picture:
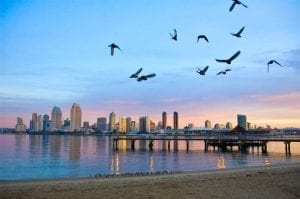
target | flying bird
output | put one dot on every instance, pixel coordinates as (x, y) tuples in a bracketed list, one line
[(112, 48), (223, 72), (238, 34), (202, 37), (228, 61), (174, 36), (273, 62), (236, 2), (136, 74), (203, 71), (145, 77)]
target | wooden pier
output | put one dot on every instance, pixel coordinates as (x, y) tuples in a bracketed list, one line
[(221, 142)]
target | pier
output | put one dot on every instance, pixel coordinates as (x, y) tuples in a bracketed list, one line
[(220, 142)]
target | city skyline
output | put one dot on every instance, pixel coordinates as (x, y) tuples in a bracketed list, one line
[(51, 57)]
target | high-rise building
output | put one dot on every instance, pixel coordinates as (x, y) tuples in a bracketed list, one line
[(133, 126), (207, 124), (128, 124), (242, 121), (101, 123), (67, 123), (164, 120), (86, 125), (217, 126), (34, 122), (175, 120), (228, 125), (20, 127), (144, 124), (159, 125), (46, 123), (40, 123), (56, 118), (112, 122), (75, 117), (152, 125), (122, 125)]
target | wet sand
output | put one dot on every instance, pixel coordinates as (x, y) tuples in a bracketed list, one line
[(280, 181)]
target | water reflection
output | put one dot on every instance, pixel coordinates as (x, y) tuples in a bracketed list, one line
[(151, 163), (74, 147), (114, 166), (55, 146), (221, 162)]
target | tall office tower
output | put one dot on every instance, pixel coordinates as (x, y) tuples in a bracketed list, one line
[(133, 126), (152, 125), (20, 127), (144, 124), (46, 123), (242, 121), (122, 125), (101, 123), (228, 125), (112, 121), (159, 125), (86, 125), (164, 120), (75, 122), (128, 124), (175, 120), (40, 122), (34, 122), (207, 124), (56, 118), (67, 123)]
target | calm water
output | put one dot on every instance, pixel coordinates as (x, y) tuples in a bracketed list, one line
[(51, 156)]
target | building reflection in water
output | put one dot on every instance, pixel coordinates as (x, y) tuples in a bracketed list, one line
[(74, 147), (35, 145), (221, 162), (55, 146), (114, 166), (151, 163), (267, 162)]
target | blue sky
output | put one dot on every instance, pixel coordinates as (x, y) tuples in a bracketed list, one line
[(54, 53)]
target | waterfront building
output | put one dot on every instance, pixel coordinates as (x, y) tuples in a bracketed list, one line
[(46, 123), (242, 121), (128, 124), (217, 126), (159, 125), (76, 114), (20, 127), (112, 122), (34, 122), (152, 125), (122, 124), (101, 123), (144, 124), (207, 124), (56, 118), (190, 125), (164, 120), (133, 126), (229, 125), (86, 125), (67, 123), (40, 122), (175, 120)]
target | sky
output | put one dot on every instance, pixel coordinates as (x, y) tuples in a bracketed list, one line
[(55, 53)]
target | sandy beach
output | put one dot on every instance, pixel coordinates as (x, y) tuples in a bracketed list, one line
[(280, 181)]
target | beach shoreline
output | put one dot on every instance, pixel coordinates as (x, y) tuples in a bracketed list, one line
[(273, 181)]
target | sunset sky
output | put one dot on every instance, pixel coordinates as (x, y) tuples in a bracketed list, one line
[(55, 53)]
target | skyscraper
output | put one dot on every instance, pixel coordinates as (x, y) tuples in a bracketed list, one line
[(56, 118), (122, 125), (207, 124), (101, 123), (128, 124), (144, 124), (175, 120), (242, 121), (34, 122), (164, 120), (75, 117), (112, 121), (46, 123), (86, 124), (20, 127), (40, 123)]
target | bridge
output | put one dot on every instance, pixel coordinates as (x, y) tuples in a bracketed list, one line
[(221, 141)]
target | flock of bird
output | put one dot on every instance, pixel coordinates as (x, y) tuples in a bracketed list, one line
[(203, 71)]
